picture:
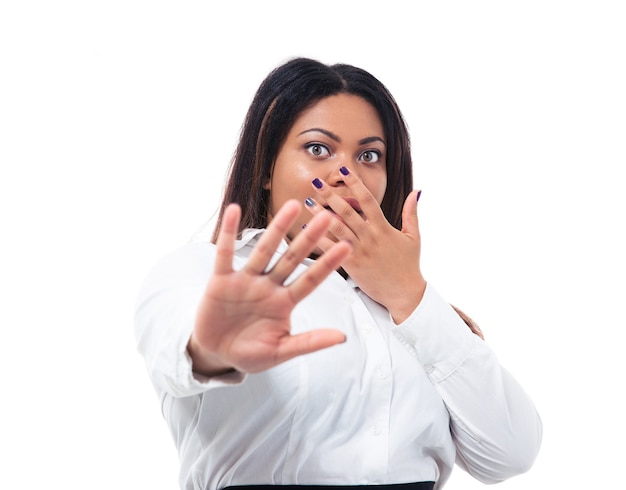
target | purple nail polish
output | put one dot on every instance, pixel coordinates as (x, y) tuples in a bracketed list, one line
[(419, 194), (304, 226), (344, 171), (317, 183), (309, 202)]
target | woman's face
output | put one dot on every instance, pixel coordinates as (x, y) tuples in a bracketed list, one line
[(338, 131)]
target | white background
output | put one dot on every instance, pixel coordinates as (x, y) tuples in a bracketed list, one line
[(118, 120)]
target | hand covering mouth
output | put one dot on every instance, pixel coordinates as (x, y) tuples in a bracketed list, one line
[(352, 202)]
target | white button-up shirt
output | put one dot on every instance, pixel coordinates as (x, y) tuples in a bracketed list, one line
[(393, 404)]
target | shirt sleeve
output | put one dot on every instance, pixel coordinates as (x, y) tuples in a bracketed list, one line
[(164, 318), (494, 423)]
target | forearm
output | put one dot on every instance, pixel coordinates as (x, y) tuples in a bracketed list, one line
[(495, 425), (165, 315)]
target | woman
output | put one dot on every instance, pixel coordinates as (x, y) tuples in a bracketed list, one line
[(304, 346)]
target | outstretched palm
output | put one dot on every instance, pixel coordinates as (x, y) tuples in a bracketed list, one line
[(243, 321)]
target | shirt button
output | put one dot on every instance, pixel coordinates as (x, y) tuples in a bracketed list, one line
[(375, 430), (366, 329), (411, 341), (381, 373), (429, 368)]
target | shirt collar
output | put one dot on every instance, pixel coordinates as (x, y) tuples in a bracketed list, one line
[(248, 235)]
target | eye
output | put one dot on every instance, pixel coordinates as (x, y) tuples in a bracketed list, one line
[(317, 150), (370, 156)]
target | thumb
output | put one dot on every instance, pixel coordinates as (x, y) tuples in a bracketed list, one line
[(307, 342), (410, 222)]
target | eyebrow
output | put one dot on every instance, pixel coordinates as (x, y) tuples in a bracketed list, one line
[(371, 139), (333, 136)]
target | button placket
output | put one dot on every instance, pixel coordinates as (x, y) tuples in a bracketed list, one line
[(376, 374)]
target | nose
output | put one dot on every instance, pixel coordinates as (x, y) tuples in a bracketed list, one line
[(336, 177)]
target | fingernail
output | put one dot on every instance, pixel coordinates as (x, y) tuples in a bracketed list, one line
[(419, 194), (304, 226), (344, 171), (309, 202), (317, 183)]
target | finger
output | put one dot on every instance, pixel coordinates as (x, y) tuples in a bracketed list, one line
[(225, 244), (346, 220), (368, 207), (410, 222), (328, 262), (348, 209), (301, 247), (278, 228), (324, 243), (307, 342)]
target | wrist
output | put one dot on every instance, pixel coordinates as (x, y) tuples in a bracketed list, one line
[(404, 304), (204, 362)]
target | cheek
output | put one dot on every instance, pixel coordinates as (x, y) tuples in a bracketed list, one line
[(301, 175), (291, 182), (377, 185)]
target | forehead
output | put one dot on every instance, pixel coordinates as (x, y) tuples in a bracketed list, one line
[(343, 113)]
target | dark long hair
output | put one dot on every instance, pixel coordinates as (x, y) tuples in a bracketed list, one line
[(281, 97)]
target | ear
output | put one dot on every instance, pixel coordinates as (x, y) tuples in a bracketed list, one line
[(267, 184)]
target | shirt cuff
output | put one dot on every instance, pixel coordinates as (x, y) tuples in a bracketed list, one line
[(436, 335)]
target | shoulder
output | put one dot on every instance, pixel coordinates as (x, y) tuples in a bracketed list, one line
[(195, 260), (187, 265), (190, 256)]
